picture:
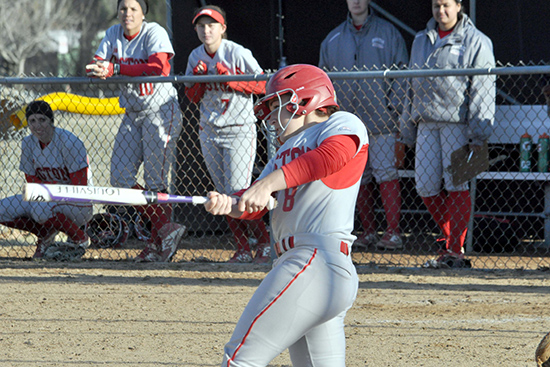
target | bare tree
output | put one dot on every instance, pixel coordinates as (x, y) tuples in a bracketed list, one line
[(25, 25)]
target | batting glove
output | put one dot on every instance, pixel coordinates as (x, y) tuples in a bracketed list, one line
[(200, 69)]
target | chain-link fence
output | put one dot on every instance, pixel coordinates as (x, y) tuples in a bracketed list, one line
[(510, 199)]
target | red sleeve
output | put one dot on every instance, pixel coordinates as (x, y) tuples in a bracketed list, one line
[(157, 64), (196, 92), (32, 179), (79, 177), (251, 87), (329, 157)]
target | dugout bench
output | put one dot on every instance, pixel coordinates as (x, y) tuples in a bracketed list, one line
[(511, 122)]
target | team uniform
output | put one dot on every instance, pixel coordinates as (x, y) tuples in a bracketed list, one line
[(150, 126), (227, 129), (227, 124), (448, 113), (152, 121), (313, 282), (53, 164), (375, 45)]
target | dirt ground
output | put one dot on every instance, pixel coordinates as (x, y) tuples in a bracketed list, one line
[(125, 314)]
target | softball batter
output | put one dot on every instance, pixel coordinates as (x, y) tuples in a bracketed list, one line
[(54, 156), (315, 175), (152, 121), (227, 123)]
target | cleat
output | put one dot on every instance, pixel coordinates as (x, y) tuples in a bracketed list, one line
[(43, 243), (390, 242), (148, 254), (366, 240), (263, 254), (171, 241), (241, 256), (449, 260)]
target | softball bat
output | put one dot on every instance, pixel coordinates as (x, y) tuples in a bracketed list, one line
[(108, 195)]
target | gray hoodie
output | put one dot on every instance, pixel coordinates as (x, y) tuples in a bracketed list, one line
[(453, 99), (377, 45)]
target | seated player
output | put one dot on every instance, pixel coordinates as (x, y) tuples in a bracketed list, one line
[(54, 156)]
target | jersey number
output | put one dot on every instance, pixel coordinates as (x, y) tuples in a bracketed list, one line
[(288, 202), (225, 102)]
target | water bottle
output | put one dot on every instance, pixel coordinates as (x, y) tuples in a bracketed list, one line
[(542, 148), (525, 146)]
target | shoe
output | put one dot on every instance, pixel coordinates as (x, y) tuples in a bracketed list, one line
[(449, 260), (390, 242), (148, 254), (85, 243), (263, 254), (66, 251), (43, 243), (171, 234), (241, 256), (366, 240)]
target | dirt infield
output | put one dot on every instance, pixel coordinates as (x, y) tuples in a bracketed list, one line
[(124, 314)]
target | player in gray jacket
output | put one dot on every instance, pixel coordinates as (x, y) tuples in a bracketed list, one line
[(446, 113), (367, 42)]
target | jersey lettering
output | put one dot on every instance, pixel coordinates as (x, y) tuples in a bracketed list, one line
[(53, 174)]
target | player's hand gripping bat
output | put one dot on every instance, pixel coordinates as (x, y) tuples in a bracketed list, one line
[(108, 195)]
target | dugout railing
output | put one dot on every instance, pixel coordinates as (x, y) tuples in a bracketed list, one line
[(509, 228)]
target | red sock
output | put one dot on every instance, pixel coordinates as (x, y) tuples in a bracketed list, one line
[(240, 232), (28, 225), (365, 205), (459, 205), (436, 207), (391, 198), (60, 222), (259, 230), (159, 215)]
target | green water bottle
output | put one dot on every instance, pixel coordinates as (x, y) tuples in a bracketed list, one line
[(525, 146), (542, 148)]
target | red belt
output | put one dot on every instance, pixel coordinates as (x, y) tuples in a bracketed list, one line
[(288, 243)]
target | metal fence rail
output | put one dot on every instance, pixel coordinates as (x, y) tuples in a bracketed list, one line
[(510, 228)]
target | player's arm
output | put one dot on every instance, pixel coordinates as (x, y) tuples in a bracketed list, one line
[(32, 178), (329, 157), (79, 177), (196, 92), (157, 64), (249, 87)]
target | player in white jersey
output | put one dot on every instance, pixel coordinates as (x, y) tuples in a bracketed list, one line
[(152, 122), (315, 175), (54, 156), (227, 123)]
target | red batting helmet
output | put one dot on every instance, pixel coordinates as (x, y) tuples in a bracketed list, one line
[(311, 88), (107, 230)]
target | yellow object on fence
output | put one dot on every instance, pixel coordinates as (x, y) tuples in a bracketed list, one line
[(72, 103)]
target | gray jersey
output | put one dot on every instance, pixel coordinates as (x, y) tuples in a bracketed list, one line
[(221, 107), (151, 39), (454, 99), (63, 155), (324, 207), (378, 44)]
